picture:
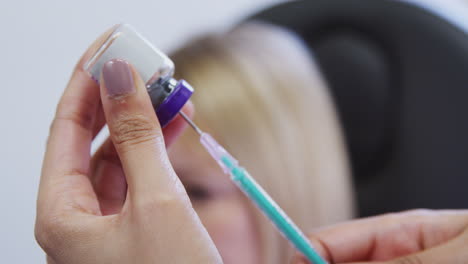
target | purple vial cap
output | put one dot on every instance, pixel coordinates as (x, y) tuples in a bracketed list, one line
[(171, 106)]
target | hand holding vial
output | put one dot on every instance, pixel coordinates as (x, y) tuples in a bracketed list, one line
[(85, 211)]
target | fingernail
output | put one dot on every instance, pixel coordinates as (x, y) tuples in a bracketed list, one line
[(118, 78)]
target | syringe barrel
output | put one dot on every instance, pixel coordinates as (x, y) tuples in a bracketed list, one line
[(272, 211)]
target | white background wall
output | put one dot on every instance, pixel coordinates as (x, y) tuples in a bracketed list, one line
[(40, 43)]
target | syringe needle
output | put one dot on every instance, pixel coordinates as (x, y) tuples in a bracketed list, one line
[(191, 123), (256, 193)]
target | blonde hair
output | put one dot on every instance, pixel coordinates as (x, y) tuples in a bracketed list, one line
[(261, 95)]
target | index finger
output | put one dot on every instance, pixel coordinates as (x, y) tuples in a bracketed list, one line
[(66, 161), (389, 236)]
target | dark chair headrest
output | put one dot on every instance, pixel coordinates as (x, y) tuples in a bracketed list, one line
[(398, 72)]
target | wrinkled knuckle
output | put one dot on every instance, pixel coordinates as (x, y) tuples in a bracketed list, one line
[(130, 130), (162, 204), (414, 259)]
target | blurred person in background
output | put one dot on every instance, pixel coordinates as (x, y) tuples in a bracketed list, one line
[(259, 93), (256, 94)]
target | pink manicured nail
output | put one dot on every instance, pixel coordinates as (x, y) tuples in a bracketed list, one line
[(118, 78)]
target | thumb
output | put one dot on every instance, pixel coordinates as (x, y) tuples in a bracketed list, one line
[(135, 132)]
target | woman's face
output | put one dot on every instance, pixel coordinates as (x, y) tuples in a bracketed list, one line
[(221, 207)]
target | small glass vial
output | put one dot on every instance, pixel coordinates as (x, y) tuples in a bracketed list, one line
[(168, 95)]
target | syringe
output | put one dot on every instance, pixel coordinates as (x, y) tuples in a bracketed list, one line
[(255, 192)]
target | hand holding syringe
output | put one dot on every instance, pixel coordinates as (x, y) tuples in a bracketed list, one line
[(255, 192)]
